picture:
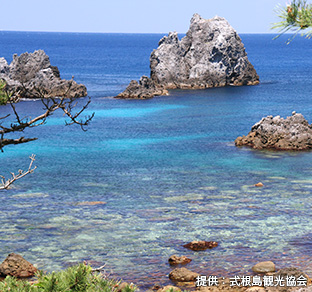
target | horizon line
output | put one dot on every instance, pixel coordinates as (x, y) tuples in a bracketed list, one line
[(92, 32)]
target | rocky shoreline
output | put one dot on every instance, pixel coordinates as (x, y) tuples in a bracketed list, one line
[(264, 278), (210, 55)]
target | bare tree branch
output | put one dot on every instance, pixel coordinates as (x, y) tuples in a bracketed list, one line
[(18, 124), (100, 269), (50, 105), (5, 184), (4, 142), (1, 118)]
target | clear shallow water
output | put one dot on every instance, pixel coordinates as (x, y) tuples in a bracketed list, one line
[(167, 168)]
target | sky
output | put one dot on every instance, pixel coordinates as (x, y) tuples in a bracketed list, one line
[(134, 16)]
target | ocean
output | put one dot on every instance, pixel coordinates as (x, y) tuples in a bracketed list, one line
[(166, 168)]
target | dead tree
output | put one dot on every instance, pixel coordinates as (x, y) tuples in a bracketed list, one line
[(13, 123), (5, 183)]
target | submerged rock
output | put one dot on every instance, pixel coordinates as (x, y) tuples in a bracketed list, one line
[(176, 260), (292, 133), (200, 245), (92, 203), (15, 265), (210, 55), (31, 75), (259, 184)]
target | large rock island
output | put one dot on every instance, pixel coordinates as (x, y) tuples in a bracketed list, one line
[(210, 55), (31, 75), (292, 133)]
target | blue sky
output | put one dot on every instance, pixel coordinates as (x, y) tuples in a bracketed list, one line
[(133, 16)]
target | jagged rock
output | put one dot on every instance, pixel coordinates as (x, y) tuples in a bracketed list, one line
[(146, 88), (15, 265), (210, 55), (31, 72), (264, 267), (292, 133), (176, 260), (200, 245), (182, 275)]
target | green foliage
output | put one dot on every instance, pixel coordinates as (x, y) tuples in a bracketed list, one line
[(3, 94), (11, 284), (78, 278), (296, 16)]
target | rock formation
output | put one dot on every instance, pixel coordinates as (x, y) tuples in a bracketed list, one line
[(30, 73), (210, 55), (292, 133), (146, 88), (15, 265)]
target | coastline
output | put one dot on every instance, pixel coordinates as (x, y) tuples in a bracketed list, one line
[(263, 275), (146, 133)]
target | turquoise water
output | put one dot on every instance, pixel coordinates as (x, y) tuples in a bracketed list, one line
[(167, 168)]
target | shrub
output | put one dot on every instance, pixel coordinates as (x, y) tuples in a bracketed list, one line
[(79, 278)]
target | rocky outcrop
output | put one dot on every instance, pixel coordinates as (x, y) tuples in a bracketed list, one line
[(31, 75), (292, 133), (145, 89), (15, 265), (210, 55)]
